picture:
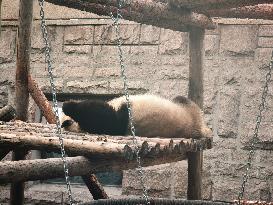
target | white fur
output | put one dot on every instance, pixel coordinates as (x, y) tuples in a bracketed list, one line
[(155, 116), (72, 128)]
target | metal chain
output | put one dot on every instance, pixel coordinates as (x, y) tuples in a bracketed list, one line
[(126, 93), (55, 103), (254, 139)]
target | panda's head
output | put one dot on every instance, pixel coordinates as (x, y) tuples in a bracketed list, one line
[(68, 124), (92, 116)]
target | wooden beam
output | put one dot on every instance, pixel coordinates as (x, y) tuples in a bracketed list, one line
[(17, 188), (94, 187), (21, 129), (7, 113), (41, 101), (196, 94), (0, 18), (41, 169), (161, 201), (38, 169), (23, 58), (146, 12), (204, 5), (21, 83), (261, 11), (154, 153)]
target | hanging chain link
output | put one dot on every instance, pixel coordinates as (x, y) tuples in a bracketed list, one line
[(116, 19), (54, 97), (255, 139)]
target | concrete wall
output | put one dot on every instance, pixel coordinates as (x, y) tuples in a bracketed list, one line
[(85, 61)]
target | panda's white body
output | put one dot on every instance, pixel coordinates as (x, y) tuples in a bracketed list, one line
[(154, 116)]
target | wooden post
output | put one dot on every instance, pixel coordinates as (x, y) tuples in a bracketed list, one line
[(7, 113), (146, 12), (196, 94), (94, 187), (21, 84), (41, 101), (0, 18)]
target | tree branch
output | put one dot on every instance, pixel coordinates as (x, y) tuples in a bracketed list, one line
[(204, 5), (146, 12), (261, 11)]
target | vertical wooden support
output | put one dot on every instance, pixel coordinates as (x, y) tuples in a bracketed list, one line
[(23, 58), (94, 187), (41, 101), (196, 94), (21, 84), (0, 18)]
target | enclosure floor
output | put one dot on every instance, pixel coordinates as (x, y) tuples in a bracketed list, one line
[(47, 194)]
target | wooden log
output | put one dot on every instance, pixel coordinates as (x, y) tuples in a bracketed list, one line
[(20, 128), (153, 153), (195, 94), (40, 169), (0, 18), (94, 187), (17, 188), (23, 58), (148, 12), (7, 113), (41, 101), (39, 130), (21, 83), (261, 11), (204, 5), (196, 66)]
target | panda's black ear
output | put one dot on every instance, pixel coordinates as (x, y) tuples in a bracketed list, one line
[(182, 100), (69, 107)]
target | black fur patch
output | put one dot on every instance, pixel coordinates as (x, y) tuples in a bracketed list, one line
[(97, 117), (182, 100), (67, 123), (123, 118)]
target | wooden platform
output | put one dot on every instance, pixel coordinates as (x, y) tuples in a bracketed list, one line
[(99, 153)]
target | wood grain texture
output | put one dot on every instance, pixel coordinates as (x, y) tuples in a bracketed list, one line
[(21, 84), (145, 12), (195, 159)]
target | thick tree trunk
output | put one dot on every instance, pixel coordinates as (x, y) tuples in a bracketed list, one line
[(41, 101), (148, 12), (195, 159), (39, 169), (204, 5), (21, 84), (14, 171), (23, 58), (0, 18), (262, 11)]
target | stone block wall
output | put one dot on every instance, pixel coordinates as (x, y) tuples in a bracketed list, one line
[(85, 60)]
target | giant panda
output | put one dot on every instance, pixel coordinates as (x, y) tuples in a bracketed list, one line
[(153, 116)]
